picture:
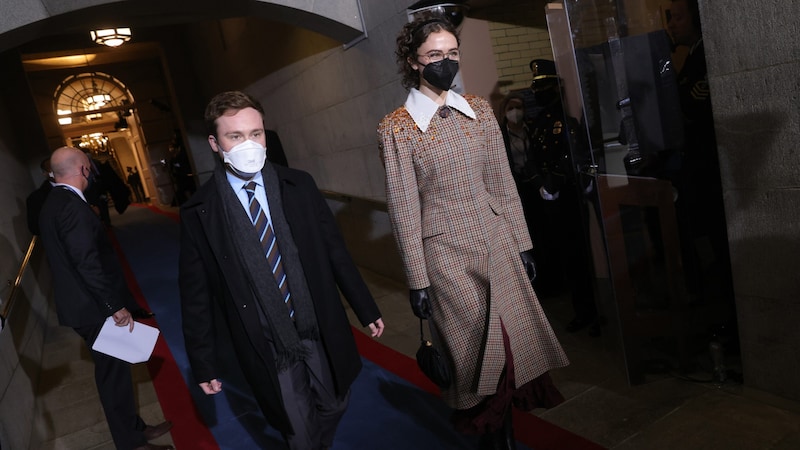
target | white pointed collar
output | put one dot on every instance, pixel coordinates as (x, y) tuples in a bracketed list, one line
[(422, 108)]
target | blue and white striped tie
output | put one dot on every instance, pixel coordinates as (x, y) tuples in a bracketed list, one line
[(270, 245)]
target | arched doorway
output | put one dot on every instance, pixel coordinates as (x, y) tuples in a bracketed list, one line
[(97, 113)]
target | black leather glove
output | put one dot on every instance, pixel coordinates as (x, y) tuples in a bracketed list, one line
[(420, 302), (530, 265)]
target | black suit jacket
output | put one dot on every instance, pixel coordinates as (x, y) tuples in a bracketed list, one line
[(88, 281), (212, 279), (34, 203)]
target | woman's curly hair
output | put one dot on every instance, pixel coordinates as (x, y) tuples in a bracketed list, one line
[(413, 35)]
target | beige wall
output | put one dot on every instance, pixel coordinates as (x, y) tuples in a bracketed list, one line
[(326, 108), (519, 35)]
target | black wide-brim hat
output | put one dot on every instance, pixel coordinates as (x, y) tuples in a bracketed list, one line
[(544, 74), (543, 69)]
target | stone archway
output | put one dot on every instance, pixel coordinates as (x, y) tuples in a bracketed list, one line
[(341, 20)]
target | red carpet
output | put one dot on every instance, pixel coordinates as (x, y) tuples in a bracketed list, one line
[(532, 431), (188, 431), (157, 210)]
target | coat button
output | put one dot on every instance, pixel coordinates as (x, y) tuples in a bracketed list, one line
[(244, 306)]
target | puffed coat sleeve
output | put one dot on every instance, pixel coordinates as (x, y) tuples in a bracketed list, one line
[(402, 195)]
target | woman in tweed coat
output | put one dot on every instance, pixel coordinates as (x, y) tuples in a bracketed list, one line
[(459, 226)]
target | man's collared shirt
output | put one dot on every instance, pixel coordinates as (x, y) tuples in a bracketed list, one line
[(261, 194), (73, 189)]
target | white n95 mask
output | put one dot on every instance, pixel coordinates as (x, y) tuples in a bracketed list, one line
[(514, 115), (247, 157)]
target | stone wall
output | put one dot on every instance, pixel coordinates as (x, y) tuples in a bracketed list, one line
[(22, 338), (753, 62)]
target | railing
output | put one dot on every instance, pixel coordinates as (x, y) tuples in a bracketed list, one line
[(15, 286), (375, 204)]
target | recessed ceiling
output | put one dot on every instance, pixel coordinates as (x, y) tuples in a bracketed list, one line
[(33, 62)]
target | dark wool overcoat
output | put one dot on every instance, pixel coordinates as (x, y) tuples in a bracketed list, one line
[(459, 226), (213, 281)]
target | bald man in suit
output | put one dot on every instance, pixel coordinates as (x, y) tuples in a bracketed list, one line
[(89, 286)]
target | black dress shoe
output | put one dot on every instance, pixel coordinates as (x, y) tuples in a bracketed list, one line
[(494, 440), (142, 313), (508, 432), (503, 438), (155, 431)]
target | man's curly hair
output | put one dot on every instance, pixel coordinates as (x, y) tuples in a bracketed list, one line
[(413, 35)]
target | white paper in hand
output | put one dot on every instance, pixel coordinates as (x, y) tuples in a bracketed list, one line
[(119, 342)]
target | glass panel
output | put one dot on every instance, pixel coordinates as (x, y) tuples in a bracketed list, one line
[(644, 250), (615, 61)]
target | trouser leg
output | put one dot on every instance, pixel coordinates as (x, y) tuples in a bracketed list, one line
[(115, 389), (311, 403)]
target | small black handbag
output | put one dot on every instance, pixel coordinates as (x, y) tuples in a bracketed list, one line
[(432, 362)]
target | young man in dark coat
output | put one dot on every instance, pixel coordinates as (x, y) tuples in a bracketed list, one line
[(282, 307)]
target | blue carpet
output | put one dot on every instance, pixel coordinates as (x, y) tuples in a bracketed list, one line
[(385, 411)]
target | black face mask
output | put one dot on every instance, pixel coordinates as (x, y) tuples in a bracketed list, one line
[(90, 178), (440, 74)]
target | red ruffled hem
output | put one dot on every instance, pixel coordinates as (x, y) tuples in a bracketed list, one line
[(488, 416)]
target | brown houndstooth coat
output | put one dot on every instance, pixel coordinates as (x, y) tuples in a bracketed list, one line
[(458, 223)]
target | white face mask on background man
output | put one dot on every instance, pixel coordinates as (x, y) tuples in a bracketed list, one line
[(247, 157), (514, 115)]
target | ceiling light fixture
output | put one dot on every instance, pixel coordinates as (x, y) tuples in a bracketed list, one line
[(454, 11), (112, 37)]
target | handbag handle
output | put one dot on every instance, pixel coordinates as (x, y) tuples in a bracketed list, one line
[(422, 334)]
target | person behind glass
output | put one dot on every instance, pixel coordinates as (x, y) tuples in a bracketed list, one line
[(97, 192), (561, 193), (135, 182), (89, 287), (516, 137), (180, 170), (462, 237), (34, 202), (275, 153), (260, 246), (699, 207)]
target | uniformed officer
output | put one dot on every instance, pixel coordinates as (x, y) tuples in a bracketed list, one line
[(565, 253)]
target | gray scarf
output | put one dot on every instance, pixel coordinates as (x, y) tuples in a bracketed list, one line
[(273, 314)]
